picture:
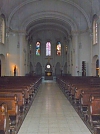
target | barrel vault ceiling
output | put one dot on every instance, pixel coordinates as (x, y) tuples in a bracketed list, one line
[(33, 16)]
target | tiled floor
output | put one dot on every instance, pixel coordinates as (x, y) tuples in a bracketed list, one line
[(51, 113)]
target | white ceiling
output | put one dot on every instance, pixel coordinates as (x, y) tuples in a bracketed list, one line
[(63, 15)]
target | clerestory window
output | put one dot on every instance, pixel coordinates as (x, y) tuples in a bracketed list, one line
[(2, 30), (58, 49), (48, 49), (95, 30)]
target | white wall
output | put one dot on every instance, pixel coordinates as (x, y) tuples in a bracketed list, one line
[(16, 47), (85, 52)]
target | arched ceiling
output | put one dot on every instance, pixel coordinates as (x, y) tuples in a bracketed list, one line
[(35, 15)]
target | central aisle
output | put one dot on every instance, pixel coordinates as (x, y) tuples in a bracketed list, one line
[(52, 113)]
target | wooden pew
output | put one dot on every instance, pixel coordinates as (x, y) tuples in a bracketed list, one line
[(85, 100), (94, 110), (29, 85), (20, 96), (4, 120), (23, 88), (81, 88), (20, 89), (12, 109), (97, 130)]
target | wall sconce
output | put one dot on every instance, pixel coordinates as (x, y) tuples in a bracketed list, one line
[(7, 54)]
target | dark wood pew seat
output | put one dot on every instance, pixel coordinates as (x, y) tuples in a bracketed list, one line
[(4, 120), (20, 96), (12, 109), (94, 110), (85, 98), (17, 93), (19, 89), (97, 130)]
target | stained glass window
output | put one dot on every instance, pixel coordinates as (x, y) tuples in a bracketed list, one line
[(48, 49), (58, 48), (38, 48)]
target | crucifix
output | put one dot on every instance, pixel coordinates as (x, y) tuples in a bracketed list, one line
[(48, 58)]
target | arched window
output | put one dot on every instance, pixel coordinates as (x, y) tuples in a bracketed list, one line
[(38, 48), (48, 49), (58, 48), (2, 29), (95, 30)]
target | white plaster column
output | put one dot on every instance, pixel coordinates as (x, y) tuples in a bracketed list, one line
[(28, 58), (75, 55), (7, 53), (69, 70), (91, 46), (21, 54), (98, 22)]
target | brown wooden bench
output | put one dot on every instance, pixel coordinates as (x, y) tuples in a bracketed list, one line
[(29, 83), (20, 89), (81, 88), (4, 120), (12, 110), (97, 130), (20, 96), (85, 100), (94, 110)]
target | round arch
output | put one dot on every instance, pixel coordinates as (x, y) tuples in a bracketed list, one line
[(65, 68), (58, 69), (38, 69)]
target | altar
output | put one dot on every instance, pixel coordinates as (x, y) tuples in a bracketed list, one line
[(48, 76)]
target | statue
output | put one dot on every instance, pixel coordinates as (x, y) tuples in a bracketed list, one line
[(15, 70)]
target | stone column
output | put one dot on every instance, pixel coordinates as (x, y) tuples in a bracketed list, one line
[(7, 52), (91, 46), (98, 22), (75, 55), (69, 70), (21, 54)]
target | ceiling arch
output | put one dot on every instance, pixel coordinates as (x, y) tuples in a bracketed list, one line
[(33, 9), (53, 21), (34, 15), (26, 3)]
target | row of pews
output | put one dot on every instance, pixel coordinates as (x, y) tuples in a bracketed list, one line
[(16, 96), (84, 94)]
